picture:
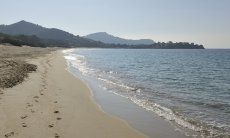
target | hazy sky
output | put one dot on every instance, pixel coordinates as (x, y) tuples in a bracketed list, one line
[(201, 21)]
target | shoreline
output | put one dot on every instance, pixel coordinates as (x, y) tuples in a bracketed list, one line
[(137, 117), (51, 102), (145, 121)]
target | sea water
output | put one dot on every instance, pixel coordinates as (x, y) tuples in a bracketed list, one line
[(188, 87)]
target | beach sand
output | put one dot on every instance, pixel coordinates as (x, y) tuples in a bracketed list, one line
[(52, 103)]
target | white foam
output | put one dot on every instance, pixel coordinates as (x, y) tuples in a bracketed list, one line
[(70, 58), (121, 85), (67, 51), (170, 116), (77, 61)]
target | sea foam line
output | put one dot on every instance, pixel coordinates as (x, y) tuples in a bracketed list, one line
[(77, 61)]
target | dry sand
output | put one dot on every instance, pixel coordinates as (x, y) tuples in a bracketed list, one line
[(51, 103), (13, 65)]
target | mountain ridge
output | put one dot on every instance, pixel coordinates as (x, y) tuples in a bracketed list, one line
[(27, 28), (24, 32), (110, 39)]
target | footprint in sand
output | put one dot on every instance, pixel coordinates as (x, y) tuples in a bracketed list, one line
[(56, 135), (29, 105), (51, 125), (36, 97), (9, 134), (56, 112), (59, 118), (24, 125), (32, 111), (55, 101), (24, 116)]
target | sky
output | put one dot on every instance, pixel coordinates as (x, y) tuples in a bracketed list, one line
[(204, 22)]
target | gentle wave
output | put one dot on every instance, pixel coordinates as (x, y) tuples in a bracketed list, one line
[(114, 83), (70, 58), (79, 62)]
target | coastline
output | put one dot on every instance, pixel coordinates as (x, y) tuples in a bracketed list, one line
[(122, 107), (53, 103)]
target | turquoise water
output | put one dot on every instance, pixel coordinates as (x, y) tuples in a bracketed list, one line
[(188, 87)]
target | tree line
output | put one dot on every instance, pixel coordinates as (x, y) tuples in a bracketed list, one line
[(34, 41)]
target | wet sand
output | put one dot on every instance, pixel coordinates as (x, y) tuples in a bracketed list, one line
[(52, 103)]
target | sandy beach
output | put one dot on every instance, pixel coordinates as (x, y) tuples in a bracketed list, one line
[(51, 102)]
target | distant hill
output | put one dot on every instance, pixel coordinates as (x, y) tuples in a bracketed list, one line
[(25, 33), (110, 39), (27, 28)]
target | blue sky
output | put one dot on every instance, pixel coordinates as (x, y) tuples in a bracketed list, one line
[(201, 21)]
